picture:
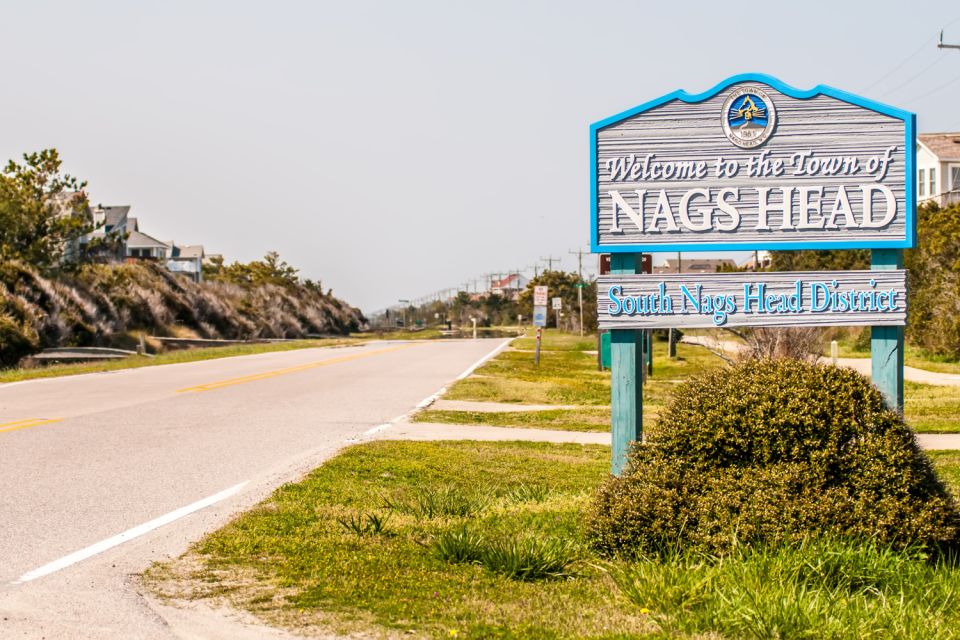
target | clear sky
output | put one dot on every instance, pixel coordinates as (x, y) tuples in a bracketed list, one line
[(391, 149)]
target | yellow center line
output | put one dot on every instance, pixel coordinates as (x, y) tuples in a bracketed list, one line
[(219, 384), (26, 424)]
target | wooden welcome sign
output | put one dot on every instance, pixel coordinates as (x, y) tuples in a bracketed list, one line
[(751, 164)]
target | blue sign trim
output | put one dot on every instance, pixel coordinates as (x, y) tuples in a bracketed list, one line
[(910, 152)]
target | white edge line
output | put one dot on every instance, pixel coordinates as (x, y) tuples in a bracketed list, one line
[(129, 534), (429, 400), (479, 362), (377, 429)]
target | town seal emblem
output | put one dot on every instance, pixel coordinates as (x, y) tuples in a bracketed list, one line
[(749, 117)]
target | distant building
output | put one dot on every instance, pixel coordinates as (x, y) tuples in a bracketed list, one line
[(117, 236), (510, 286), (187, 260), (143, 246), (938, 168), (761, 257), (696, 265)]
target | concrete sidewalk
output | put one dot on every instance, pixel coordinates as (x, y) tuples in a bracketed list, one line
[(495, 407), (862, 365), (909, 373), (437, 431)]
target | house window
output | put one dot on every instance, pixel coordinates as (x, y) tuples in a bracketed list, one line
[(955, 178), (933, 182), (922, 182)]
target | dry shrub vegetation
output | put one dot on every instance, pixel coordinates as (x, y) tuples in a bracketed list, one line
[(98, 304)]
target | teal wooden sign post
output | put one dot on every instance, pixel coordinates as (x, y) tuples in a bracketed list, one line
[(626, 376), (752, 163), (886, 343)]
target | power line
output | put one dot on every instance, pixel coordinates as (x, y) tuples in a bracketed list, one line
[(933, 91), (909, 58), (901, 65), (550, 260), (936, 61)]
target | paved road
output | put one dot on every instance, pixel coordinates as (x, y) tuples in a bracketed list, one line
[(162, 454)]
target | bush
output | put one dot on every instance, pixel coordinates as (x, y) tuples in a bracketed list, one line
[(769, 452), (799, 343)]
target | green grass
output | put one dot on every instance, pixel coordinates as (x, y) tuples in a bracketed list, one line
[(170, 357), (931, 409), (563, 377), (585, 419), (947, 464), (553, 340), (566, 375), (820, 589), (421, 575), (504, 557)]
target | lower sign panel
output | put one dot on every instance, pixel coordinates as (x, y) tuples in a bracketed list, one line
[(540, 315), (747, 299)]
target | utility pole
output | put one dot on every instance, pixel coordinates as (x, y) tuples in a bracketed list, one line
[(579, 254), (405, 304), (550, 260), (941, 45)]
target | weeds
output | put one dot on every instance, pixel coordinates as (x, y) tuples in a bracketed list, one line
[(447, 500), (458, 545), (529, 558), (366, 524), (528, 493)]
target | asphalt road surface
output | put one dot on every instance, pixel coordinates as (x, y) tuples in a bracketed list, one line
[(101, 474)]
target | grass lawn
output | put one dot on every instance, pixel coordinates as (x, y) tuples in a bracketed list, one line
[(585, 419), (170, 357), (291, 561), (563, 377), (947, 464), (484, 540), (567, 375), (931, 409)]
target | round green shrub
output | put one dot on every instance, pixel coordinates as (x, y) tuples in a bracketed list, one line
[(771, 452)]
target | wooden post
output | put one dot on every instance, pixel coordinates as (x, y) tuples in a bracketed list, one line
[(626, 369), (886, 343), (649, 346), (672, 336)]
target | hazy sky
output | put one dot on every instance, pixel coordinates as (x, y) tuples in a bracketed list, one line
[(391, 149)]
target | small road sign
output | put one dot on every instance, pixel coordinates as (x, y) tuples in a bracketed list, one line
[(540, 296), (540, 315), (557, 304)]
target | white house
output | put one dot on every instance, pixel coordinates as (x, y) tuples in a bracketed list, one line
[(133, 244), (509, 286), (186, 260), (938, 168)]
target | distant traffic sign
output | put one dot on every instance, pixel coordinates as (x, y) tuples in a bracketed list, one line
[(540, 296), (540, 315), (557, 304)]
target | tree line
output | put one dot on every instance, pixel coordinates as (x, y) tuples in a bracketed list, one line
[(933, 320), (494, 309)]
